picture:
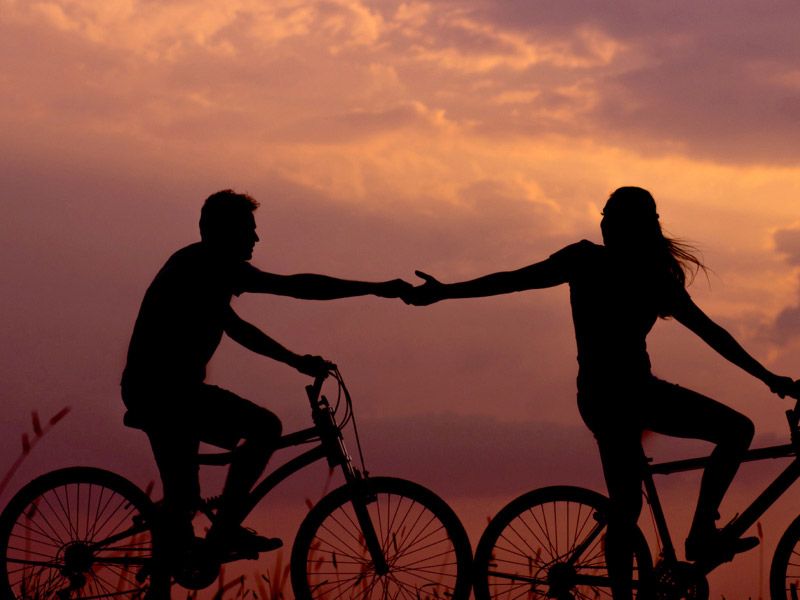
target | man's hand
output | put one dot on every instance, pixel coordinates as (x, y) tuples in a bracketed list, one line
[(394, 288), (311, 365), (429, 292), (784, 386)]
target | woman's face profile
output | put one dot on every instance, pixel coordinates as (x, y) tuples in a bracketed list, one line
[(615, 228), (625, 225)]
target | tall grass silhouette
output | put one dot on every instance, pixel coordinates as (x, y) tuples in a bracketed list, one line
[(30, 440)]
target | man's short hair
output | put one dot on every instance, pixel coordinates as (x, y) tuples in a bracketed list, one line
[(223, 209)]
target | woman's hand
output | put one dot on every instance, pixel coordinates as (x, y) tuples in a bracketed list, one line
[(429, 292)]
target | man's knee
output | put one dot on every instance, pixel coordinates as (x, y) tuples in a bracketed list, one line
[(738, 432), (747, 430), (263, 432)]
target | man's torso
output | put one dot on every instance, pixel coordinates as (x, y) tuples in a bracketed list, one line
[(182, 318)]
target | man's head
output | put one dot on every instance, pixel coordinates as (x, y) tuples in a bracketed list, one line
[(227, 224)]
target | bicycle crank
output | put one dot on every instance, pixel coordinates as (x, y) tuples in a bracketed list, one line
[(198, 568), (680, 581)]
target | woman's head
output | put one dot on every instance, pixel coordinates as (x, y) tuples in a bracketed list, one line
[(631, 229), (630, 221)]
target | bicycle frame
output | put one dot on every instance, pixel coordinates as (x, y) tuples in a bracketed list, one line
[(330, 447), (742, 522)]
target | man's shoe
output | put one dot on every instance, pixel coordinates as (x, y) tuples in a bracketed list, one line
[(242, 541), (715, 544)]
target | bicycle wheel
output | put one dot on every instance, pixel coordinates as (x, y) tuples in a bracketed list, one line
[(76, 533), (784, 573), (426, 549), (550, 543)]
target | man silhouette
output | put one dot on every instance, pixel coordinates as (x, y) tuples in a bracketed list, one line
[(182, 318)]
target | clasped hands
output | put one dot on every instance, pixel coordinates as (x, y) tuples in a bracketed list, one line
[(426, 293)]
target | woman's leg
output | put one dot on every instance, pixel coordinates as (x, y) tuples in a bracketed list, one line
[(612, 416), (677, 411), (622, 458)]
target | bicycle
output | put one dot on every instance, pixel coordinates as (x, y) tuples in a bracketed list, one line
[(84, 532), (548, 543)]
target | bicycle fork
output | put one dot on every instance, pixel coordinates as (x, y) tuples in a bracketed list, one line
[(361, 499), (371, 541)]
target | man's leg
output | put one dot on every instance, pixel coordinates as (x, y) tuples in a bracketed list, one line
[(260, 438), (226, 420), (175, 451)]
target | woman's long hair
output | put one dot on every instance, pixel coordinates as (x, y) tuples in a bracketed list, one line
[(631, 226)]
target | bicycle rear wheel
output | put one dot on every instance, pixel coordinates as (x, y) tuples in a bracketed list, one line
[(550, 543), (784, 573), (76, 533), (426, 549)]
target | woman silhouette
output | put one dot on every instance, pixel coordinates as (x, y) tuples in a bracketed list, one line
[(617, 291)]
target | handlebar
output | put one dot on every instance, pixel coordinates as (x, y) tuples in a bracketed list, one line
[(325, 415), (793, 417), (313, 390)]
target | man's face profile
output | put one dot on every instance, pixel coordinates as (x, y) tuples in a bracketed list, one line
[(236, 237)]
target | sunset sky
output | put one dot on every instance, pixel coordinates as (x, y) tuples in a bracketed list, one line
[(457, 137)]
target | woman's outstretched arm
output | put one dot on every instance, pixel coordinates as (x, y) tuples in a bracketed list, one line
[(716, 336), (547, 273)]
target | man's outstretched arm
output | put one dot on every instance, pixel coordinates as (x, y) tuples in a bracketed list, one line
[(252, 338), (309, 286)]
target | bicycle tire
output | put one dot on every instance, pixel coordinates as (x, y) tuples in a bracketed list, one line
[(50, 531), (784, 572), (425, 545), (526, 550)]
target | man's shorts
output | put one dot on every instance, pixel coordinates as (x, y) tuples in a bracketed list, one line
[(205, 412)]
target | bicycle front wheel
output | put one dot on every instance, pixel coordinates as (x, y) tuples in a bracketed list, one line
[(76, 533), (550, 543), (784, 575), (425, 550)]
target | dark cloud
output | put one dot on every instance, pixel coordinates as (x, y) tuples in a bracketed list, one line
[(787, 242), (703, 80), (786, 326), (704, 105)]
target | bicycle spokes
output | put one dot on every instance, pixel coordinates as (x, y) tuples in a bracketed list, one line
[(79, 539), (549, 543), (419, 541)]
